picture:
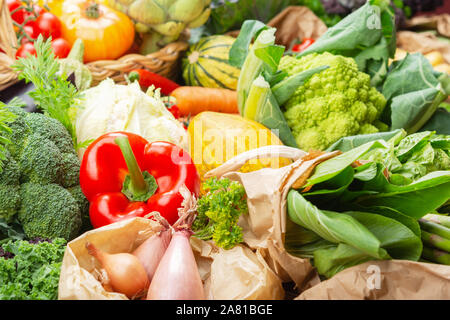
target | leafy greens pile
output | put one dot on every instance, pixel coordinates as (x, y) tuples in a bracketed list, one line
[(29, 270), (354, 208)]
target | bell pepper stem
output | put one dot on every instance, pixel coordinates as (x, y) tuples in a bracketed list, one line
[(138, 184)]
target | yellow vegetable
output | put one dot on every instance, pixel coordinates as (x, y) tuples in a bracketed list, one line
[(435, 58), (217, 137)]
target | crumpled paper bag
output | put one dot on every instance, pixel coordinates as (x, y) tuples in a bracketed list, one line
[(397, 280), (440, 23), (234, 274), (422, 42), (266, 189), (294, 23)]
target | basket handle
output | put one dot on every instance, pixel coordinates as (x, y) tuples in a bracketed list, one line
[(273, 151)]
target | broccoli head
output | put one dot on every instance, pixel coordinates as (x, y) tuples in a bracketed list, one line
[(48, 210), (332, 104), (39, 183)]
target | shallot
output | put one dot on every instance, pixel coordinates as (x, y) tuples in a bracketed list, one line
[(177, 276), (126, 273), (151, 251)]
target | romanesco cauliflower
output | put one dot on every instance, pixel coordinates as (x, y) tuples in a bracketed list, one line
[(332, 104)]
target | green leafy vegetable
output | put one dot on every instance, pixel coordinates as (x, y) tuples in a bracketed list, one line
[(219, 211), (56, 96), (414, 92), (367, 35), (29, 270)]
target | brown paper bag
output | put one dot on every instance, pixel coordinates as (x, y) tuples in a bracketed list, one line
[(234, 274), (440, 23), (294, 23), (398, 280), (422, 42), (266, 189)]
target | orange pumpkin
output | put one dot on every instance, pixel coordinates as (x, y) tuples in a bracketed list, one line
[(107, 34)]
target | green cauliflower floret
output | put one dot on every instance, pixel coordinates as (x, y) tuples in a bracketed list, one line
[(40, 180), (48, 210), (332, 104)]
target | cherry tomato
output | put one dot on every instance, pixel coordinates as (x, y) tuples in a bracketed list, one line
[(48, 25), (19, 14), (30, 17), (31, 32), (302, 46), (60, 47), (25, 49)]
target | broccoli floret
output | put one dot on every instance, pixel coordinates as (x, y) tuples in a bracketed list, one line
[(41, 161), (9, 189), (332, 104), (70, 170), (19, 132), (83, 204), (48, 211), (52, 130)]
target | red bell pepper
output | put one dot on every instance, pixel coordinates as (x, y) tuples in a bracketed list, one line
[(124, 176), (147, 78), (302, 46)]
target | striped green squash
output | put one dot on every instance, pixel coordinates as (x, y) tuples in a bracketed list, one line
[(206, 64)]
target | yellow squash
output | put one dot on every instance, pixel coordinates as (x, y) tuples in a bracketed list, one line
[(217, 137)]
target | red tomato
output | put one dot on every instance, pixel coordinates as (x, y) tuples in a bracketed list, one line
[(48, 25), (302, 46), (25, 49), (31, 32), (60, 47), (19, 14)]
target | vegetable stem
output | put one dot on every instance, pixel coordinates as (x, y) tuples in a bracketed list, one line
[(436, 256), (436, 241), (253, 66), (137, 184), (257, 97), (435, 228)]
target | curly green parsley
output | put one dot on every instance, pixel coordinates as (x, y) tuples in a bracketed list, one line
[(219, 211)]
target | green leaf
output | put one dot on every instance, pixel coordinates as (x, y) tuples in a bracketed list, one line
[(416, 199), (271, 55), (271, 116), (439, 122), (332, 226), (284, 89), (347, 143), (414, 92), (330, 168), (239, 49)]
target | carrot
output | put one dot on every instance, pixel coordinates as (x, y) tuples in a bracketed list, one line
[(193, 100)]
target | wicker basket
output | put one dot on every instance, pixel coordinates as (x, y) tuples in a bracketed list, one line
[(164, 62)]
